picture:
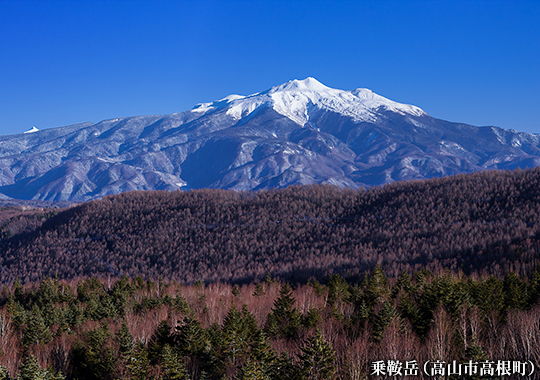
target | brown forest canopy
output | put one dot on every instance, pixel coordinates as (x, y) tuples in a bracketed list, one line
[(480, 223)]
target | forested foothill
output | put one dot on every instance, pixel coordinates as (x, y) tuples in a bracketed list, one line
[(135, 329), (480, 224), (308, 282)]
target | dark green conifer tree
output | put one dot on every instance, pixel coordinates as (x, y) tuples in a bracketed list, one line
[(139, 365), (126, 347), (377, 286), (383, 319), (489, 295), (17, 311), (125, 340), (237, 331), (284, 319), (36, 331), (189, 336), (94, 359), (120, 293), (460, 294), (475, 353), (173, 365), (284, 369), (259, 290), (404, 283), (312, 318), (106, 308), (261, 350), (30, 370), (253, 371), (534, 288), (74, 315), (262, 355), (18, 292), (409, 309), (160, 338), (338, 290), (515, 292), (318, 358)]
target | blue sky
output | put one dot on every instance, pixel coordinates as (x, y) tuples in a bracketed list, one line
[(64, 62)]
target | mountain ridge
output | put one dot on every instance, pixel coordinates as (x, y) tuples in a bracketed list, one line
[(300, 132)]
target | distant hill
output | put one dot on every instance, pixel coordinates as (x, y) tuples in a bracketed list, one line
[(300, 132), (483, 223)]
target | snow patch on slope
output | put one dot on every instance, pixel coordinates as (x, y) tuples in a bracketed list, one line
[(33, 130)]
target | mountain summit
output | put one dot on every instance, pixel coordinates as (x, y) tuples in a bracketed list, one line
[(297, 99), (300, 132)]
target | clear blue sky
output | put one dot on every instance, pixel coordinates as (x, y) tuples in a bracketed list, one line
[(64, 62)]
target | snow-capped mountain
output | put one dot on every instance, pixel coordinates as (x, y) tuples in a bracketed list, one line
[(298, 99), (300, 132)]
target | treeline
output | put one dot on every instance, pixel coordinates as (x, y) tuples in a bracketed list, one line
[(136, 329), (480, 224)]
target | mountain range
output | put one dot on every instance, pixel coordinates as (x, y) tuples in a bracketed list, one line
[(300, 132)]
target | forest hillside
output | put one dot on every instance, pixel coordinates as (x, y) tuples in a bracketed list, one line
[(480, 223), (131, 329)]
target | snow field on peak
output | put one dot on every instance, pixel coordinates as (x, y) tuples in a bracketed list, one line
[(308, 84), (295, 99)]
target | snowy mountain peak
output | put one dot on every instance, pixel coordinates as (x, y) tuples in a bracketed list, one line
[(308, 84), (297, 99)]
